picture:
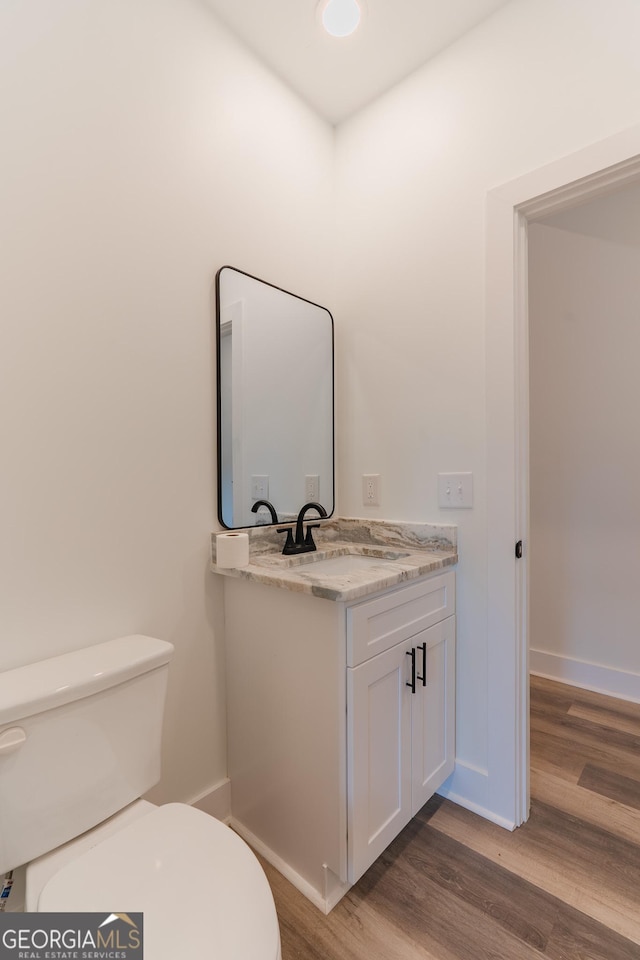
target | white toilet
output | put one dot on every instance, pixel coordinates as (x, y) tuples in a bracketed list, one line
[(79, 745)]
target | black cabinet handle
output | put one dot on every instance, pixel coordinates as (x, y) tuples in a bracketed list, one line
[(412, 653), (423, 647)]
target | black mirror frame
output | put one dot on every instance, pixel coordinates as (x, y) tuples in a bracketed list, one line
[(219, 392)]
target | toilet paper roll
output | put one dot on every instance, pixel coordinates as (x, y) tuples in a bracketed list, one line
[(232, 549)]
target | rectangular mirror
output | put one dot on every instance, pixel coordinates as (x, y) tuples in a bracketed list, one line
[(275, 401)]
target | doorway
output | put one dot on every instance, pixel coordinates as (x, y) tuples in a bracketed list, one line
[(593, 172), (584, 462)]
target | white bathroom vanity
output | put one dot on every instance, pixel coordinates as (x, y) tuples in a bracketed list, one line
[(341, 701)]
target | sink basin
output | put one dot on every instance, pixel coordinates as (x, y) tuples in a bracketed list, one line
[(340, 566), (332, 564)]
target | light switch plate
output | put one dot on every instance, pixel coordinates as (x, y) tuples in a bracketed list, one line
[(455, 490)]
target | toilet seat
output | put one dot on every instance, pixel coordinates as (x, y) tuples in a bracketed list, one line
[(201, 889)]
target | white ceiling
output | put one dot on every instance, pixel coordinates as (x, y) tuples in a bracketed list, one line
[(338, 76)]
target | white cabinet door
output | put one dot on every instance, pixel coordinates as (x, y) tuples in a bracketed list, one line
[(379, 747), (401, 742), (433, 711)]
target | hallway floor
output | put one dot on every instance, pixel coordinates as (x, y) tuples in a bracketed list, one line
[(452, 886)]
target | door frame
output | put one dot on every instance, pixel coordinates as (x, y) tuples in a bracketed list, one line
[(593, 171)]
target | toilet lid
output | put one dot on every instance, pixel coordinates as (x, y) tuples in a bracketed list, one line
[(201, 889)]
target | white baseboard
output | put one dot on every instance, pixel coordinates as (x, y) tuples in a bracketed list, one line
[(468, 786), (589, 676), (216, 802), (325, 904)]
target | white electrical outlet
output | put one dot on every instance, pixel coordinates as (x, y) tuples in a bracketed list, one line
[(371, 489), (312, 487), (455, 490), (259, 487)]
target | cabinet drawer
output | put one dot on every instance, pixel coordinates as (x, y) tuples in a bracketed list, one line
[(375, 625)]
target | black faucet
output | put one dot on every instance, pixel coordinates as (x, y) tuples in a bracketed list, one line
[(302, 544), (269, 506)]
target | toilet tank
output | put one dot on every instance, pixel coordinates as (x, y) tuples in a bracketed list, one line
[(80, 738)]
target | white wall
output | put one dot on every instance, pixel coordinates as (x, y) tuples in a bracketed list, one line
[(142, 148), (539, 80), (584, 288)]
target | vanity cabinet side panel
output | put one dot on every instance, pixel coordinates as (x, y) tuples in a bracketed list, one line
[(286, 681)]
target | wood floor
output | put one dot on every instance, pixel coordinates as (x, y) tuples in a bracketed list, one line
[(564, 886)]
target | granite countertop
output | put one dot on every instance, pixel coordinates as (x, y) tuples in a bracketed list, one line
[(405, 551)]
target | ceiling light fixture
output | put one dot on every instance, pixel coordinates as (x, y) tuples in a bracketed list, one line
[(340, 18)]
